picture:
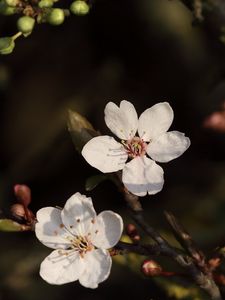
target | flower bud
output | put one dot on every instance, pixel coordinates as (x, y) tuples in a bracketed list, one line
[(25, 24), (12, 3), (45, 3), (5, 9), (7, 45), (132, 232), (79, 8), (18, 211), (56, 16), (23, 194), (22, 214), (151, 268)]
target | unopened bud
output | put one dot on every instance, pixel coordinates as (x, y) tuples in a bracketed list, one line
[(12, 3), (18, 211), (79, 8), (132, 232), (45, 3), (151, 268), (25, 24), (214, 263), (23, 194), (21, 213), (56, 16)]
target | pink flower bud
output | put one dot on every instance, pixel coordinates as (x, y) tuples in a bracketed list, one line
[(132, 232), (23, 194), (151, 268)]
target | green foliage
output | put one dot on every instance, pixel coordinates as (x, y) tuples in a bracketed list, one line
[(180, 291), (95, 180), (80, 129), (9, 225)]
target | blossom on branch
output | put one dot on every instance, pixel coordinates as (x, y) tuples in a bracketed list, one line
[(80, 239), (140, 175)]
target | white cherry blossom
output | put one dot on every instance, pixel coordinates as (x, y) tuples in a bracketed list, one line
[(80, 239), (140, 174)]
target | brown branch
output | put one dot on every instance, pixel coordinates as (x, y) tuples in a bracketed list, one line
[(210, 13), (145, 250), (203, 279), (186, 241)]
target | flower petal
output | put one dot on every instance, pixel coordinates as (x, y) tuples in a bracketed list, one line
[(49, 228), (155, 121), (107, 230), (78, 214), (105, 154), (98, 265), (142, 175), (62, 267), (168, 146), (123, 120)]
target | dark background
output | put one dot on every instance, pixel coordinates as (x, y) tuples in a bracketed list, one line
[(142, 51)]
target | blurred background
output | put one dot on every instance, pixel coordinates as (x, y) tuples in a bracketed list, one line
[(142, 51)]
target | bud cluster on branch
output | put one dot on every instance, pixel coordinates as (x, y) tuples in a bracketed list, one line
[(36, 12)]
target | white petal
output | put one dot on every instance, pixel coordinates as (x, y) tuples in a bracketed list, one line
[(123, 120), (62, 266), (107, 230), (49, 228), (155, 121), (78, 214), (168, 146), (98, 265), (142, 175), (105, 154)]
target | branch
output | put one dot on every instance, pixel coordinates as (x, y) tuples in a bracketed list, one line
[(146, 250), (204, 281), (211, 13)]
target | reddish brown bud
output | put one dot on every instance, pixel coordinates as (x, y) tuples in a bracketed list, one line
[(151, 268), (132, 232), (18, 211), (214, 263), (23, 194), (22, 213)]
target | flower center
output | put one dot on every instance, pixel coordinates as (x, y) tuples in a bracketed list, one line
[(82, 245), (135, 147)]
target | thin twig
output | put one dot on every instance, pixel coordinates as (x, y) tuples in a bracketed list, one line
[(204, 281)]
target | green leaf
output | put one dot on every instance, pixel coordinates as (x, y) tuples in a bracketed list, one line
[(93, 181), (80, 129), (9, 225)]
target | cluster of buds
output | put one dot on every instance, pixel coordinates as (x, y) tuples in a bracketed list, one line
[(36, 11), (132, 232), (20, 211)]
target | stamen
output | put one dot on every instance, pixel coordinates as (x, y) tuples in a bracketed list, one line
[(135, 147), (82, 245)]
